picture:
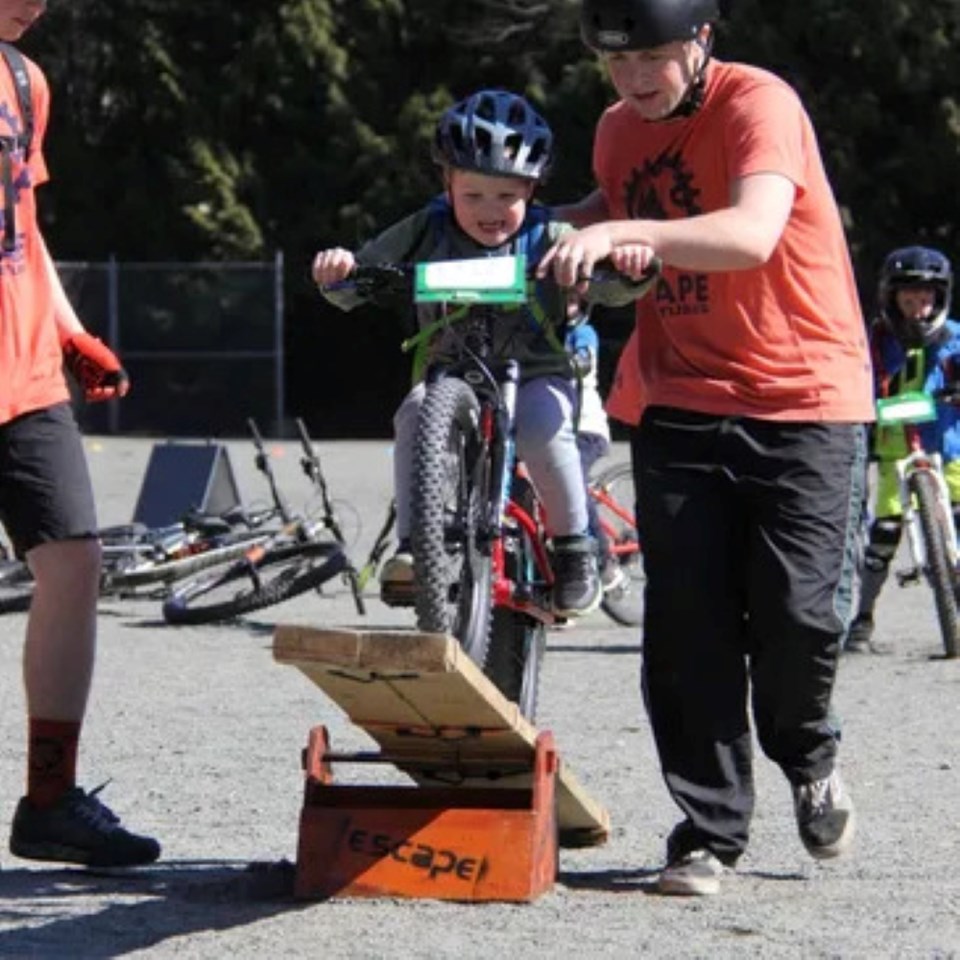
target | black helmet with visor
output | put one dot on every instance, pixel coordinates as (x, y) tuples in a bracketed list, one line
[(910, 268)]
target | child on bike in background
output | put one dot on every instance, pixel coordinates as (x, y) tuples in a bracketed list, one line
[(915, 346), (493, 150)]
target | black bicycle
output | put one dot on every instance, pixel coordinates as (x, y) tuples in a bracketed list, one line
[(302, 554), (483, 568)]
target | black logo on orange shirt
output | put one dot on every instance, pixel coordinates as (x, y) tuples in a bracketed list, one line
[(663, 189)]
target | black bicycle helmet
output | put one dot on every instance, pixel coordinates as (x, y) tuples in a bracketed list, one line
[(612, 25), (915, 267), (497, 133)]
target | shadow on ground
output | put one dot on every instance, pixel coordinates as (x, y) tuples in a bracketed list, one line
[(145, 907)]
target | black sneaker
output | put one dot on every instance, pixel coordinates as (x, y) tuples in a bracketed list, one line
[(576, 588), (860, 635), (825, 816), (78, 829)]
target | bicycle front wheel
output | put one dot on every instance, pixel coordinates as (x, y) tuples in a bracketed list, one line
[(614, 495), (245, 586), (939, 571), (451, 493)]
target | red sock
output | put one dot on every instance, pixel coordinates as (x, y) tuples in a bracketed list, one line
[(51, 760)]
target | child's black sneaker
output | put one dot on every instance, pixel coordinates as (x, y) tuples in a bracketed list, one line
[(576, 588)]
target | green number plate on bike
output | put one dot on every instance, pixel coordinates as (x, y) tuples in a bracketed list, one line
[(480, 280), (910, 407)]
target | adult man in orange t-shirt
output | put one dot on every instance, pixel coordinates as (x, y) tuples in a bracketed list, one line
[(46, 500), (754, 378)]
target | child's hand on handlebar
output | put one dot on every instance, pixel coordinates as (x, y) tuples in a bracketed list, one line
[(332, 266)]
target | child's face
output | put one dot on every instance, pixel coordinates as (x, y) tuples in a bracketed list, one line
[(916, 303), (488, 209), (654, 81), (18, 16)]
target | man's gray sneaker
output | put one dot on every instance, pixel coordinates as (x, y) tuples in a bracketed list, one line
[(825, 816), (78, 829), (694, 874)]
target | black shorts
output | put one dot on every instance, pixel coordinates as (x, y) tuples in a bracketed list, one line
[(45, 490)]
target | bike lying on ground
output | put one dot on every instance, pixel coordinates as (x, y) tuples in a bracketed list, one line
[(482, 561), (302, 554), (141, 561), (926, 510)]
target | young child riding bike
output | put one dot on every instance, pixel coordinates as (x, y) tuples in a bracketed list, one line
[(494, 149), (915, 346)]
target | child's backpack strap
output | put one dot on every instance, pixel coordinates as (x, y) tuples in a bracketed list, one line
[(10, 144), (434, 224)]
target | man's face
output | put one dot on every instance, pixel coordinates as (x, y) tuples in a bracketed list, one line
[(654, 81), (18, 16)]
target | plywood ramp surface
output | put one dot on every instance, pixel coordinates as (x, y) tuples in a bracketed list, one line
[(422, 699)]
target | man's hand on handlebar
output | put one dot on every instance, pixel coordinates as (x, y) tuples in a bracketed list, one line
[(574, 257)]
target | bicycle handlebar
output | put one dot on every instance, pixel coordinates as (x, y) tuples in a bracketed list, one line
[(394, 280)]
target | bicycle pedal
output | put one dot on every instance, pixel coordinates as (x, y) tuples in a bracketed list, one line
[(398, 596)]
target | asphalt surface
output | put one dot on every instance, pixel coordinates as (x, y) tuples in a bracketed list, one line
[(200, 733)]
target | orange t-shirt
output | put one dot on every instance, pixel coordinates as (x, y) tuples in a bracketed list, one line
[(781, 341), (31, 372), (625, 399)]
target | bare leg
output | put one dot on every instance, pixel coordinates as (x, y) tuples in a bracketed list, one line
[(61, 629)]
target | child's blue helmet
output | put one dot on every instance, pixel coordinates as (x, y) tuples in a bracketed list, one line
[(497, 133)]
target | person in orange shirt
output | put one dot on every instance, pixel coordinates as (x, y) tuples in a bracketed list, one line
[(46, 499), (755, 387)]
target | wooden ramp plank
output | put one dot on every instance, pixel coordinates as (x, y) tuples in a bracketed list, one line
[(422, 699)]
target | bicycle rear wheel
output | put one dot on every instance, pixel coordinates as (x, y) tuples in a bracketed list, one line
[(614, 494), (939, 571), (245, 586), (518, 641), (451, 493)]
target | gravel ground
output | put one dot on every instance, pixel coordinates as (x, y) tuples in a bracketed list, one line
[(200, 733)]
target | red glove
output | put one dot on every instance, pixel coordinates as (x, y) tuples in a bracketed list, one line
[(95, 367)]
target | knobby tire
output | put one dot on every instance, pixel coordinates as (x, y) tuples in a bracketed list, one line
[(939, 571), (282, 573), (450, 496)]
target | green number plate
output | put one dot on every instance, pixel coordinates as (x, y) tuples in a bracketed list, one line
[(481, 280), (911, 407)]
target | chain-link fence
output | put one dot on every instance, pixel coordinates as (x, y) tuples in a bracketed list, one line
[(203, 343)]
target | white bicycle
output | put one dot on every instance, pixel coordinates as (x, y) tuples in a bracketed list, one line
[(927, 512)]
